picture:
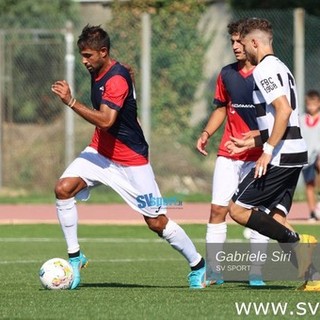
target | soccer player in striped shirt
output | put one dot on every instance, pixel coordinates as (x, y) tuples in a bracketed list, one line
[(272, 182), (234, 105)]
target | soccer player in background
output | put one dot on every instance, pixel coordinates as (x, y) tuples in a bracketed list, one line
[(310, 128), (117, 155), (234, 102), (272, 182)]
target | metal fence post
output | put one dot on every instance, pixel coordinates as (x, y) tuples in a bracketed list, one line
[(299, 52), (146, 75), (69, 116)]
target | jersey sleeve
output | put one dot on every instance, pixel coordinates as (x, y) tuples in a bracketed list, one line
[(221, 95), (116, 90), (269, 79)]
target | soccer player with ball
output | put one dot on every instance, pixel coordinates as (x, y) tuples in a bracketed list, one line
[(117, 155)]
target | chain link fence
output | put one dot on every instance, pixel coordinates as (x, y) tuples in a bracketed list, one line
[(31, 120), (188, 49)]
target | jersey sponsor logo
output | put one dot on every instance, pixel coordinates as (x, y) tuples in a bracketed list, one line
[(268, 84), (241, 105)]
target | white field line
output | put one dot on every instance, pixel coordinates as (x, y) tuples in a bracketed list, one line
[(105, 240), (6, 262), (95, 240)]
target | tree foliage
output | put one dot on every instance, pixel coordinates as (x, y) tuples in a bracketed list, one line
[(311, 6), (177, 55), (35, 14)]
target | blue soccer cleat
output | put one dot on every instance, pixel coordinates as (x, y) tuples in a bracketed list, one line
[(255, 280), (214, 279), (197, 278), (77, 263)]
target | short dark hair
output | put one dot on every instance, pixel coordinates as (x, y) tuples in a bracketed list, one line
[(255, 24), (233, 27), (312, 94), (93, 37)]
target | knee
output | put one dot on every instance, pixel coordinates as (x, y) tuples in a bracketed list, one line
[(218, 213), (157, 224), (63, 189)]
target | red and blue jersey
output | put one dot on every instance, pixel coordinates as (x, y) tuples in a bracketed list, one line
[(124, 141), (234, 90)]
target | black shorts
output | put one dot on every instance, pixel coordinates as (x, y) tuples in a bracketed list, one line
[(273, 190)]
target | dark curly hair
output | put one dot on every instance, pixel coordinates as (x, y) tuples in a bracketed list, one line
[(93, 37), (233, 27)]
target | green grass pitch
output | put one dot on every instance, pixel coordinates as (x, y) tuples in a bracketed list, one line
[(132, 274)]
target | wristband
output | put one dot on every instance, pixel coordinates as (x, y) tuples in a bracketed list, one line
[(268, 148), (207, 133), (72, 102)]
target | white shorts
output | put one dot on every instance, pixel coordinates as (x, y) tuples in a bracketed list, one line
[(227, 175), (135, 184)]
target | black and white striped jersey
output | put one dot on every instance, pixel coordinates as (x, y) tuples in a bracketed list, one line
[(273, 79)]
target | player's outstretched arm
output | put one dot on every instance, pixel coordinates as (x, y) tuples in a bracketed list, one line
[(102, 118)]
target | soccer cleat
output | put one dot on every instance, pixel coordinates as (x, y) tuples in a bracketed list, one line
[(310, 286), (255, 280), (214, 282), (84, 260), (214, 279), (77, 263), (304, 250), (197, 278)]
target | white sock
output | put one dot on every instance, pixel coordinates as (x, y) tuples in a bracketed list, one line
[(216, 232), (68, 218), (258, 242), (180, 241), (256, 237), (215, 238)]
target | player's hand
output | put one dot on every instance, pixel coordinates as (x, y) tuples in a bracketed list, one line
[(250, 134), (62, 89), (247, 141), (261, 165), (236, 145), (202, 143), (233, 148)]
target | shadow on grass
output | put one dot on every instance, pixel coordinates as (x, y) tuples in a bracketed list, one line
[(234, 285), (125, 285), (269, 287)]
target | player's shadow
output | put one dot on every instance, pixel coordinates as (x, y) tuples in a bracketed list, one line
[(124, 285), (245, 285), (267, 287)]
